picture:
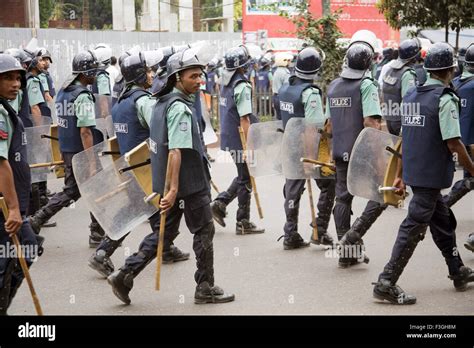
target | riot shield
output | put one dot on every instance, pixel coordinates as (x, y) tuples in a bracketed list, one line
[(113, 197), (209, 135), (138, 160), (264, 148), (300, 140), (38, 152), (372, 167), (103, 114)]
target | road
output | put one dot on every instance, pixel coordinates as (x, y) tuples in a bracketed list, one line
[(265, 278)]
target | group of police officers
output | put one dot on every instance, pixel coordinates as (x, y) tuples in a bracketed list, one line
[(157, 98)]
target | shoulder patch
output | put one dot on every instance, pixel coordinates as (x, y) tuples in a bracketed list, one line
[(3, 130), (454, 114), (183, 126)]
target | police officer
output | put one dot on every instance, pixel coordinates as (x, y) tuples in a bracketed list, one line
[(76, 131), (45, 77), (352, 104), (15, 181), (461, 59), (464, 86), (236, 111), (400, 77), (431, 136), (36, 93), (305, 98), (264, 85), (280, 76), (175, 129), (101, 83), (131, 116), (21, 104)]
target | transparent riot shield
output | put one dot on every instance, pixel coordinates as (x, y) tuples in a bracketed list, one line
[(300, 141), (264, 142), (372, 167), (114, 198), (38, 152)]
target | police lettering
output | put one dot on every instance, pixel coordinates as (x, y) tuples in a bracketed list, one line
[(288, 107), (414, 121), (463, 102), (343, 102), (121, 128), (153, 146), (390, 80)]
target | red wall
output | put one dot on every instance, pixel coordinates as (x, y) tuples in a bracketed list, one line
[(357, 14)]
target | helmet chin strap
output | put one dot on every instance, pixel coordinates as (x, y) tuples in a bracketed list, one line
[(178, 80)]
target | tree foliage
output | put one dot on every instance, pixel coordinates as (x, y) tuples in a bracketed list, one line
[(448, 14), (321, 33)]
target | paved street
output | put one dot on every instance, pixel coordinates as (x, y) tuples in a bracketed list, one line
[(265, 278)]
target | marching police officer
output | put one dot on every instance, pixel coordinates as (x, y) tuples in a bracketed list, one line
[(400, 77), (236, 111), (21, 104), (45, 77), (15, 181), (464, 86), (76, 130), (280, 76), (38, 105), (101, 83), (352, 104), (305, 98), (431, 135), (175, 129), (131, 116)]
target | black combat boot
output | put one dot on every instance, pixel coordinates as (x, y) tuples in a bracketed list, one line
[(122, 284), (460, 280), (219, 212), (385, 290), (323, 237), (96, 236), (101, 263), (38, 220), (295, 241), (246, 227), (469, 244), (206, 294), (174, 254)]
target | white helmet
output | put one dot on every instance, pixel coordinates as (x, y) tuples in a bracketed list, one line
[(103, 52), (366, 36)]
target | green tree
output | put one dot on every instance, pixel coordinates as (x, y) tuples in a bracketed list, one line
[(238, 6), (46, 10), (447, 14), (321, 33)]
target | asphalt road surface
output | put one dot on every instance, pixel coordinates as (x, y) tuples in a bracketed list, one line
[(265, 278)]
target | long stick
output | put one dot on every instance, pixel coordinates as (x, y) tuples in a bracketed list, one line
[(24, 266), (47, 164), (159, 253), (252, 179), (311, 206), (215, 187)]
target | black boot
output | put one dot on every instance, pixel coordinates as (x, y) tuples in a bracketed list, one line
[(96, 236), (385, 290), (101, 263), (219, 212), (122, 284), (206, 294), (246, 227), (174, 254), (38, 219), (323, 237), (469, 244), (461, 279), (295, 241)]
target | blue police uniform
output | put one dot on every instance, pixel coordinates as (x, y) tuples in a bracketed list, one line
[(428, 168), (291, 93), (11, 274)]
